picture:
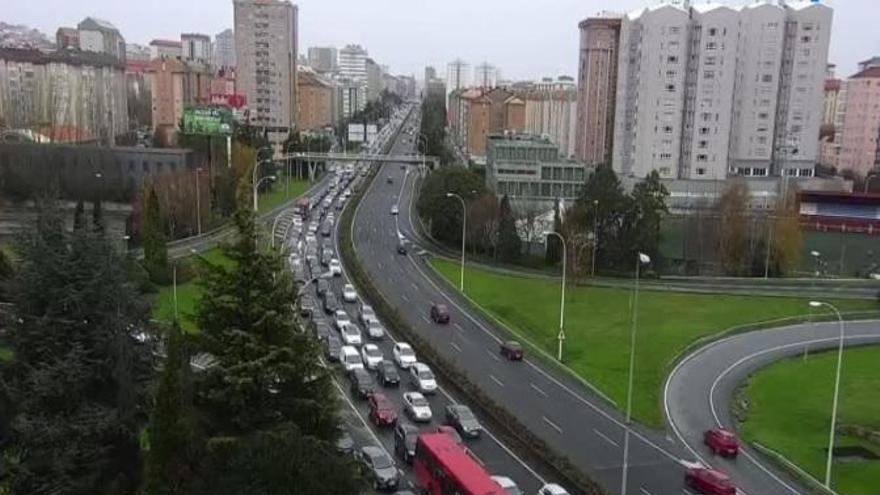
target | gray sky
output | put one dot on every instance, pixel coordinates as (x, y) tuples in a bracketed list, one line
[(526, 39)]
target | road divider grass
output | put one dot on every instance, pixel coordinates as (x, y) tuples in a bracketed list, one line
[(188, 293), (598, 322), (778, 413)]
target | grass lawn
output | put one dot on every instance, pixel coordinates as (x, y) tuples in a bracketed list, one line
[(187, 296), (796, 424), (275, 197), (598, 326), (5, 354)]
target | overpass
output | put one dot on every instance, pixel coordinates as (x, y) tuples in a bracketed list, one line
[(413, 159)]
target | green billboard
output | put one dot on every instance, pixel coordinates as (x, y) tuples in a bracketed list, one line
[(210, 121)]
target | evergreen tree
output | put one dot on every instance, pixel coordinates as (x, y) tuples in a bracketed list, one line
[(267, 381), (79, 216), (508, 240), (98, 216), (554, 246), (604, 203), (172, 459), (641, 226), (154, 240), (78, 378)]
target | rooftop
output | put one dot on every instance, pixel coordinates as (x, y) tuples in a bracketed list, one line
[(68, 56)]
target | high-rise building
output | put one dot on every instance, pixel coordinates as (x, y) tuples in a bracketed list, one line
[(323, 59), (374, 80), (353, 62), (706, 91), (197, 48), (351, 95), (458, 76), (266, 43), (175, 84), (596, 89), (224, 49), (485, 75), (552, 113), (96, 35), (861, 121), (315, 100), (430, 74)]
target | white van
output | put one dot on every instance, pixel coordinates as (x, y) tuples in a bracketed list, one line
[(350, 358)]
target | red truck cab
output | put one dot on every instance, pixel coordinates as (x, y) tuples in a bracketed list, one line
[(708, 481), (721, 441)]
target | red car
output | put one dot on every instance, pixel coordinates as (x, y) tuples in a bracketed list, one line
[(512, 350), (382, 411), (439, 314), (708, 481), (721, 441)]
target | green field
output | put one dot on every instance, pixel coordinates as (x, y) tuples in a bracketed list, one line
[(796, 424), (187, 296), (276, 196), (598, 324), (5, 354)]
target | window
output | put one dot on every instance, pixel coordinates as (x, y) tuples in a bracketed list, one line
[(664, 170), (709, 74), (672, 59), (805, 39), (665, 156), (667, 129), (710, 60), (674, 29), (702, 158), (711, 45), (713, 31), (671, 73), (763, 115), (701, 171), (706, 116), (670, 88), (767, 78), (704, 131), (702, 144)]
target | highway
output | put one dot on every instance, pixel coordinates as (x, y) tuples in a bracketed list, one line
[(699, 391), (556, 408)]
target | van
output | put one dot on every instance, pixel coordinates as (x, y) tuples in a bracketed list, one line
[(350, 359)]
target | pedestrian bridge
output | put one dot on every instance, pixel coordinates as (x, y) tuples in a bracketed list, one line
[(414, 159)]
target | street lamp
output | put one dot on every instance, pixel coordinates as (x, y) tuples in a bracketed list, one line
[(818, 304), (641, 259), (561, 336), (463, 234), (198, 201), (256, 171), (818, 256), (869, 178), (595, 238), (256, 187)]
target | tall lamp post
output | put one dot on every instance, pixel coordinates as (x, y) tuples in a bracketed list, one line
[(869, 178), (641, 259), (561, 336), (257, 187), (463, 234), (256, 171), (422, 137), (198, 201), (595, 237), (819, 304)]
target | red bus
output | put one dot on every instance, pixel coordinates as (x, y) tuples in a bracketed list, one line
[(442, 467), (303, 208)]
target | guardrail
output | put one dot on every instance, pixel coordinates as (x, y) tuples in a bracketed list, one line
[(503, 422), (815, 486)]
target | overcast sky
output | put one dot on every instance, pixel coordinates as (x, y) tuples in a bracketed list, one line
[(526, 39)]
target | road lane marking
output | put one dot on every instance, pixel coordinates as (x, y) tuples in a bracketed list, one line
[(552, 424), (406, 299), (493, 356), (414, 286), (455, 346), (605, 437), (458, 327), (492, 377), (645, 491), (426, 319), (538, 389)]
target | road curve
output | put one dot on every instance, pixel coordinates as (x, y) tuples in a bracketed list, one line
[(698, 392)]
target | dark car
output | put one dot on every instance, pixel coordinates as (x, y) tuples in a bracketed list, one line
[(323, 287), (332, 346), (330, 303), (321, 330), (345, 444), (390, 179), (439, 313), (307, 305), (512, 350), (382, 411), (721, 441), (362, 384), (462, 419), (401, 247), (387, 374), (378, 468), (325, 229), (405, 436)]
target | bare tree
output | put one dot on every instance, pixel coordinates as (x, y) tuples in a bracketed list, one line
[(483, 223), (527, 214)]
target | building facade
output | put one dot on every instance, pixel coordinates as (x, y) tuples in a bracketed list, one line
[(475, 113), (75, 94), (99, 36), (174, 85), (597, 85), (553, 114), (266, 44), (315, 110), (197, 48), (458, 76), (323, 59), (374, 80), (528, 167), (166, 49), (861, 122), (708, 91), (485, 75), (224, 49), (67, 37), (353, 62)]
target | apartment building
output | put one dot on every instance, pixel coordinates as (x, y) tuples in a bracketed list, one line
[(99, 36), (458, 76), (315, 109), (353, 62), (552, 113), (175, 84), (266, 44), (197, 48), (707, 91), (476, 112), (374, 80), (166, 49), (596, 88), (861, 122), (323, 59), (224, 49)]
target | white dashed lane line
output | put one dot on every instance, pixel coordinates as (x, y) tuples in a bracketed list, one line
[(538, 389), (551, 424), (497, 381), (605, 437)]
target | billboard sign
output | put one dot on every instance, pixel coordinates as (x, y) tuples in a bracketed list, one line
[(356, 133), (207, 121)]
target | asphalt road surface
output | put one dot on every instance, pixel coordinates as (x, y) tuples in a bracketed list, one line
[(557, 408), (700, 389)]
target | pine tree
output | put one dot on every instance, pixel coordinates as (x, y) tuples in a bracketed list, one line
[(173, 457), (79, 216), (267, 381), (508, 240), (98, 216), (78, 378), (154, 240)]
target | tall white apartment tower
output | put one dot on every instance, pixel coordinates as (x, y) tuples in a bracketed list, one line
[(458, 76)]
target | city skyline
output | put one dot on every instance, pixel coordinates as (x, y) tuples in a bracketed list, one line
[(527, 57)]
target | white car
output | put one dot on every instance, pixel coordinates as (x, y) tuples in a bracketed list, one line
[(375, 329), (350, 358), (351, 335), (395, 210), (507, 485), (348, 294), (335, 268), (552, 489), (367, 314), (417, 407), (313, 228), (340, 319), (372, 356), (423, 378), (404, 355)]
